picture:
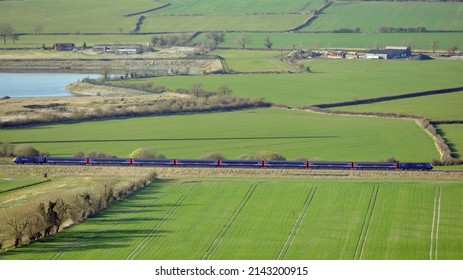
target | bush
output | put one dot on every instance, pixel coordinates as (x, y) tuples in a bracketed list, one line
[(246, 157), (25, 150), (390, 159), (213, 155), (146, 153), (6, 150), (98, 154), (268, 155)]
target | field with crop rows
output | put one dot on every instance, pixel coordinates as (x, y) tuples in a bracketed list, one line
[(291, 133), (269, 219)]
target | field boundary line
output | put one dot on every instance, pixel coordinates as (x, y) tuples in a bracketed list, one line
[(231, 220), (67, 247), (435, 224), (366, 223), (297, 224), (158, 226)]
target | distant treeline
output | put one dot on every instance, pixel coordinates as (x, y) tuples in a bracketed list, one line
[(412, 0), (385, 29)]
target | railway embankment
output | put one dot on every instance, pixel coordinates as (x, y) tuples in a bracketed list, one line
[(185, 172)]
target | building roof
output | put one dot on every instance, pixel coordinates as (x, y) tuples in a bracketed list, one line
[(400, 48)]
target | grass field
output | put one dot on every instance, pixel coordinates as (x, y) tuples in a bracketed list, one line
[(331, 80), (370, 16), (255, 61), (291, 133), (434, 107), (251, 22), (453, 133), (225, 7), (73, 16), (236, 17), (300, 40), (8, 183), (249, 219)]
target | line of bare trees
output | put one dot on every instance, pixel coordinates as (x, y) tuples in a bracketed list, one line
[(26, 224)]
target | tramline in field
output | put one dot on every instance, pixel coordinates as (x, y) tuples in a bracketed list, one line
[(227, 163)]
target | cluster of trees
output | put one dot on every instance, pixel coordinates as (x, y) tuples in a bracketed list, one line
[(28, 224), (263, 155), (9, 150), (385, 29), (347, 30), (446, 152), (170, 40), (8, 32)]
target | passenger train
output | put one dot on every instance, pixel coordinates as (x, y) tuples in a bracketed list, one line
[(227, 163)]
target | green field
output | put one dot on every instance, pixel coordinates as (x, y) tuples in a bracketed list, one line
[(331, 80), (250, 219), (316, 215), (8, 184), (255, 61), (291, 133), (73, 16), (453, 134), (236, 17), (187, 23), (300, 40), (370, 16), (434, 107)]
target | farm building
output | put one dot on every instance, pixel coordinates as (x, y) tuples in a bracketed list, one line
[(390, 52), (64, 46), (118, 49)]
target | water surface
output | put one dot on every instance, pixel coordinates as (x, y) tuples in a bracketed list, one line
[(38, 84)]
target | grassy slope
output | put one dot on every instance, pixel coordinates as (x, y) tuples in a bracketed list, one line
[(435, 107), (453, 134), (331, 80), (73, 16), (291, 133), (370, 16), (183, 219)]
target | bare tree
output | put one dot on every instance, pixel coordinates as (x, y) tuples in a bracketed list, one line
[(268, 43), (215, 38), (38, 29), (434, 46), (196, 89), (453, 49), (18, 224), (6, 30), (224, 90), (243, 40)]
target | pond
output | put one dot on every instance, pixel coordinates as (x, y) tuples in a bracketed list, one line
[(38, 84)]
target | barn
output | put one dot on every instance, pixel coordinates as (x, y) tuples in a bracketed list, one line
[(390, 52), (64, 46)]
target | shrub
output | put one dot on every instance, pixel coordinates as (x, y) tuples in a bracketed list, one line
[(246, 157), (268, 155), (146, 153), (98, 154), (213, 155), (25, 150), (6, 150)]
